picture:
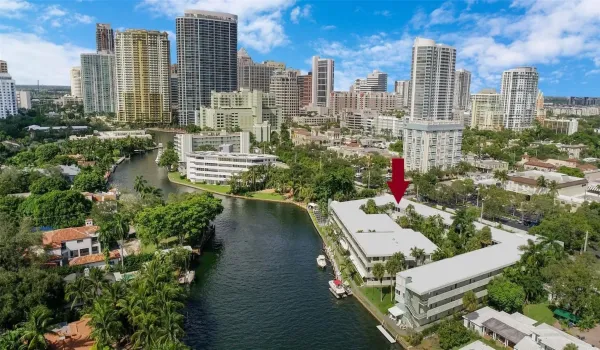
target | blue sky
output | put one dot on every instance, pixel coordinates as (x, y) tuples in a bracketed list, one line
[(43, 39)]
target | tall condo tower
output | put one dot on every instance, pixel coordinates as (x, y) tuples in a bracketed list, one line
[(462, 89), (519, 94), (375, 82), (402, 88), (8, 92), (322, 81), (431, 138), (143, 62), (3, 67), (206, 59), (76, 82), (105, 38), (255, 76), (98, 79)]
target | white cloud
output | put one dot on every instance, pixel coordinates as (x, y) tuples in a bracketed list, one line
[(328, 27), (442, 15), (260, 21), (85, 19), (300, 12), (171, 34), (54, 11), (58, 17), (592, 72), (31, 58), (384, 13), (13, 8)]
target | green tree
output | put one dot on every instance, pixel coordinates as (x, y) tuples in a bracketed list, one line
[(105, 323), (39, 323), (49, 183), (453, 334), (11, 340), (506, 295), (89, 181), (418, 254), (57, 209), (394, 265), (45, 153), (169, 159), (571, 346), (397, 147), (378, 273), (571, 171), (469, 301)]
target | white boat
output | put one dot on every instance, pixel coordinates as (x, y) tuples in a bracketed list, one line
[(337, 288), (321, 261)]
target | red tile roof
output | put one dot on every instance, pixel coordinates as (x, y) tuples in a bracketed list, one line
[(56, 237), (93, 258), (538, 163)]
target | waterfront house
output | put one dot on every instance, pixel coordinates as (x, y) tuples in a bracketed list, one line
[(73, 242), (519, 332), (96, 260), (216, 168)]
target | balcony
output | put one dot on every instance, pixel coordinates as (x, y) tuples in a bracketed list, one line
[(460, 290)]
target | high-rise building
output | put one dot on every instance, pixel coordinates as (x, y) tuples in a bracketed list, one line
[(284, 85), (76, 82), (174, 87), (402, 88), (98, 82), (305, 89), (240, 109), (206, 59), (255, 76), (105, 38), (486, 110), (375, 82), (431, 138), (519, 94), (24, 99), (8, 93), (462, 89), (540, 111), (143, 62), (379, 101), (322, 81)]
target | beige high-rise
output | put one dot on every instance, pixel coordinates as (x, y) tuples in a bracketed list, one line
[(76, 82), (3, 67), (255, 76), (284, 85), (143, 66), (486, 110)]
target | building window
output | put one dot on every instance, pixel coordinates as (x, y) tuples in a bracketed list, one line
[(84, 252), (95, 250), (80, 241), (74, 253)]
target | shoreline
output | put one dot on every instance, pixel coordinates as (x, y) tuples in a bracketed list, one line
[(399, 339)]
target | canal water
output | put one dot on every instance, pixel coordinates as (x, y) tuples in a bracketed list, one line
[(258, 285)]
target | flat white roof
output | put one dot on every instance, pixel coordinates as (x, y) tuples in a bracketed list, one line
[(477, 345), (388, 237), (557, 339), (395, 311), (377, 234)]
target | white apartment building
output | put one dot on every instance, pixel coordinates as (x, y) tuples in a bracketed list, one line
[(143, 66), (388, 125), (67, 100), (402, 88), (206, 58), (432, 144), (486, 110), (262, 132), (374, 238), (241, 109), (322, 81), (561, 126), (525, 182), (69, 243), (431, 137), (360, 120), (586, 111), (98, 82), (216, 168), (462, 89), (75, 75), (24, 99), (379, 101), (375, 82), (8, 96), (519, 94), (284, 85), (189, 143), (114, 135)]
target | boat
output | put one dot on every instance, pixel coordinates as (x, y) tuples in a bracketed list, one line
[(337, 288), (321, 261)]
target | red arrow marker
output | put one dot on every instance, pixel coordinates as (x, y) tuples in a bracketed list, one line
[(398, 185)]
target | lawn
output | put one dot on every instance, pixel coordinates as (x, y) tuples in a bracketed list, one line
[(261, 195), (374, 295), (540, 312), (222, 189)]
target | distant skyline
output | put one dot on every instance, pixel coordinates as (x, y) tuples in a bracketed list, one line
[(43, 39)]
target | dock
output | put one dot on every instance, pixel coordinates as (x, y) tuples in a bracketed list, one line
[(386, 334)]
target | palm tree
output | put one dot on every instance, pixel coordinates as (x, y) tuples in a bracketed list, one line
[(394, 265), (140, 184), (541, 183), (469, 301), (501, 175), (171, 322), (418, 254), (11, 340), (553, 189), (97, 281), (37, 325), (378, 273), (79, 291), (120, 227), (146, 329), (104, 320)]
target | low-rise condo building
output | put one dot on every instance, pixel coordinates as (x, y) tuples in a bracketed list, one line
[(216, 168), (115, 135), (188, 143)]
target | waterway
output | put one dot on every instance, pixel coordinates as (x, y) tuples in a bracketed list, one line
[(257, 285)]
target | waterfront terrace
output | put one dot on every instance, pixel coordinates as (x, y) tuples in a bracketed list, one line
[(433, 291)]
